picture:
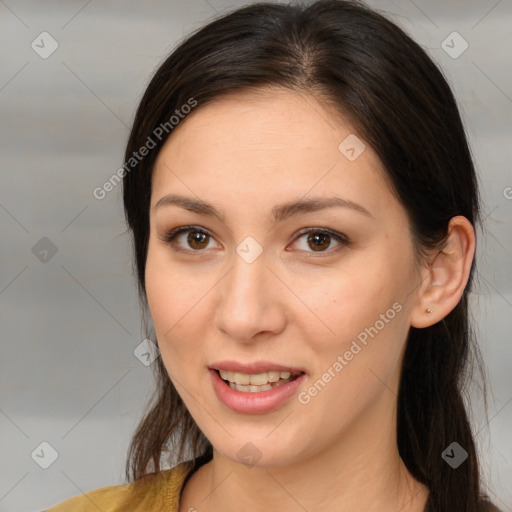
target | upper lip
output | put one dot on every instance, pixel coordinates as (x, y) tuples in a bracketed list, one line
[(255, 367)]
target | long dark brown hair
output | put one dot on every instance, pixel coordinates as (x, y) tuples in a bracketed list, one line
[(363, 66)]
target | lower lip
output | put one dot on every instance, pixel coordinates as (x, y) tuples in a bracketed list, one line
[(254, 403)]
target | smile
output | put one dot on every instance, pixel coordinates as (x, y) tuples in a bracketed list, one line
[(275, 390), (256, 382)]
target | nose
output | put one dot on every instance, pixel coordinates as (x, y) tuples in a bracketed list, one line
[(251, 300)]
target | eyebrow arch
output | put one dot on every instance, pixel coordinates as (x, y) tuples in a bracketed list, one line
[(280, 212)]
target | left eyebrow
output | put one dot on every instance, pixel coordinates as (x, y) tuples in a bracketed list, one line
[(284, 211)]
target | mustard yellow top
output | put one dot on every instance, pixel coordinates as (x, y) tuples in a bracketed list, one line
[(153, 492)]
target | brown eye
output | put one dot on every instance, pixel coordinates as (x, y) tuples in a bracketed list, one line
[(196, 239), (320, 240)]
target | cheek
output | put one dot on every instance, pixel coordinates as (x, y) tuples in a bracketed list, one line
[(357, 334), (351, 365), (174, 301), (171, 290), (342, 304)]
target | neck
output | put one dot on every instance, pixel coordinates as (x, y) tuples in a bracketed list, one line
[(361, 471)]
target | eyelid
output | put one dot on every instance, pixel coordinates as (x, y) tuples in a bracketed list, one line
[(342, 239)]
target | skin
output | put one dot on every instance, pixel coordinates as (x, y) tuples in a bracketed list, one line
[(245, 154)]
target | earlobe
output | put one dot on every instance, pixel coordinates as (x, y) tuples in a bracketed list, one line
[(448, 274)]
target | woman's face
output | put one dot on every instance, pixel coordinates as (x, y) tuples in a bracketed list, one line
[(246, 291)]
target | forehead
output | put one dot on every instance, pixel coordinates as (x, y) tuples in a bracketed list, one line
[(267, 144), (268, 118)]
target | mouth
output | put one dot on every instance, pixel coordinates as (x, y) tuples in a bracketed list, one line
[(255, 388), (256, 382)]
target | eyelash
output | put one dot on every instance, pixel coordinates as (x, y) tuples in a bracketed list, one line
[(342, 239)]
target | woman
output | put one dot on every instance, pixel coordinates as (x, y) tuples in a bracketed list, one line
[(302, 201)]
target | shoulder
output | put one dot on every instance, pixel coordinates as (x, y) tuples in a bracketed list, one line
[(154, 490), (105, 498)]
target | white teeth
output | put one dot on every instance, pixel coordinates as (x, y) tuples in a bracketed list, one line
[(257, 379), (241, 378), (253, 389), (255, 383), (273, 376)]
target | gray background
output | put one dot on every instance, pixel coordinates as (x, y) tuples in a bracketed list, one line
[(68, 375)]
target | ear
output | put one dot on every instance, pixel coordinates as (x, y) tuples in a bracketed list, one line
[(445, 275)]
